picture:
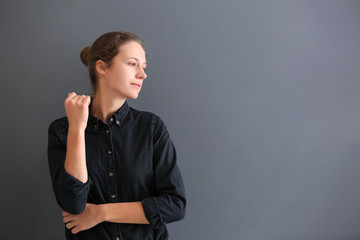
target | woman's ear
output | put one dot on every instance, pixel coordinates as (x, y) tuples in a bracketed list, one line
[(100, 67)]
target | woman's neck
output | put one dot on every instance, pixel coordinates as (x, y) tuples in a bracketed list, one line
[(103, 106)]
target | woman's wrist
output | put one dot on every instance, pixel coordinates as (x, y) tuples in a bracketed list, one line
[(75, 130), (125, 212), (102, 216)]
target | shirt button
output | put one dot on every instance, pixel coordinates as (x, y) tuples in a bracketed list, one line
[(117, 123), (112, 196), (111, 174), (111, 119), (109, 152), (107, 131), (117, 238), (95, 126)]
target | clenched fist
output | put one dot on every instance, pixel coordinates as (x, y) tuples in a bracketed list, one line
[(77, 110)]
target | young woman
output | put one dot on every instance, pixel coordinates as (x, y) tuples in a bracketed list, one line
[(113, 168)]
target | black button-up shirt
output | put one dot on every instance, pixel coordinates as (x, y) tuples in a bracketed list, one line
[(130, 158)]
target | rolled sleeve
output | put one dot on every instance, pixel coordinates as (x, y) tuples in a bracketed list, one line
[(169, 203), (70, 193), (152, 212)]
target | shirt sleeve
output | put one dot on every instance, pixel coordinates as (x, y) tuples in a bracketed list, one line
[(70, 193), (169, 204)]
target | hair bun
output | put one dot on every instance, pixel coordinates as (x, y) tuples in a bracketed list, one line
[(84, 55)]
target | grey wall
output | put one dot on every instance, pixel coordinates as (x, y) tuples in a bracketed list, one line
[(261, 99)]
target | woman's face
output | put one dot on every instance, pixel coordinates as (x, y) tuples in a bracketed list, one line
[(126, 74)]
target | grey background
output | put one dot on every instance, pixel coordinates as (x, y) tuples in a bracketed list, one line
[(260, 98)]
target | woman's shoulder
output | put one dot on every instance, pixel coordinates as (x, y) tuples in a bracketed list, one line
[(59, 125), (145, 115)]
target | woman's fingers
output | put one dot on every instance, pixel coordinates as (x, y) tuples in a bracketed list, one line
[(76, 229), (83, 97), (77, 98), (64, 214), (68, 219), (87, 100), (71, 222), (70, 225), (70, 96)]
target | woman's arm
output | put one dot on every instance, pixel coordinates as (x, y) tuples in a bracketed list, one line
[(75, 161), (77, 111), (66, 156), (128, 212), (169, 202)]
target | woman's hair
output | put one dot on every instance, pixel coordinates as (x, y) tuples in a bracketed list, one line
[(105, 48)]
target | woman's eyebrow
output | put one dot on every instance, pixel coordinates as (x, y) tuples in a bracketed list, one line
[(136, 59)]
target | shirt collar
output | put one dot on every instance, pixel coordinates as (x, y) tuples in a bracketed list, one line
[(116, 118)]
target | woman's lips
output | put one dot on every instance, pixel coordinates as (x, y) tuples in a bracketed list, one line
[(136, 84)]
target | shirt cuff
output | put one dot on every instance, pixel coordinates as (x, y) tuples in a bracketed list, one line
[(72, 183), (152, 212), (71, 193)]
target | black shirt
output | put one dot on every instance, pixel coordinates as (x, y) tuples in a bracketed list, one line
[(130, 158)]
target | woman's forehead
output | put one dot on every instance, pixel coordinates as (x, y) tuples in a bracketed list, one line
[(133, 50)]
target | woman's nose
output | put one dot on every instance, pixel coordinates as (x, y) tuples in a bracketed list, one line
[(141, 74)]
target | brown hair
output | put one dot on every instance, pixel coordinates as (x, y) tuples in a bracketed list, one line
[(105, 48)]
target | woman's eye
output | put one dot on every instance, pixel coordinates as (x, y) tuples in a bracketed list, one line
[(132, 64)]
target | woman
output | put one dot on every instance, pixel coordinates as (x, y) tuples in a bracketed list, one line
[(113, 168)]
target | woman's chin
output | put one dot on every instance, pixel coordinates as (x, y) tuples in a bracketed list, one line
[(133, 96)]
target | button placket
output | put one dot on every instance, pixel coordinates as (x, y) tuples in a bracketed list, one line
[(112, 189)]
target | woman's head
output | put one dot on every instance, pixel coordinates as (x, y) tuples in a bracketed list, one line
[(105, 48)]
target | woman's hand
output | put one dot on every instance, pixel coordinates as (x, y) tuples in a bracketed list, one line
[(87, 219), (77, 110)]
